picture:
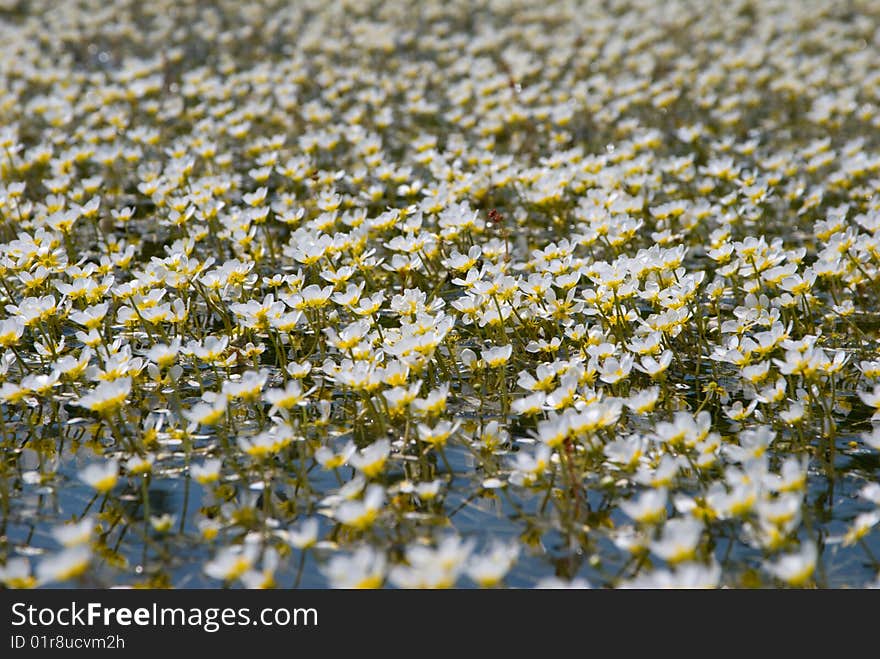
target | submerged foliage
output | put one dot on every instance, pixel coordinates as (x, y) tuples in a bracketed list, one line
[(364, 294)]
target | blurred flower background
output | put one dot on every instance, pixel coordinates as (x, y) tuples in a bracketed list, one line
[(439, 294)]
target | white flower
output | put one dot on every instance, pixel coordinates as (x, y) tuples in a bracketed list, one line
[(162, 523), (795, 569), (557, 583), (488, 569), (330, 459), (304, 536), (164, 355), (429, 567), (365, 568), (267, 443), (361, 514), (371, 460), (497, 356), (75, 533), (655, 367), (209, 412), (685, 575), (206, 472), (107, 396), (678, 540), (439, 434), (140, 464), (648, 508), (871, 492), (17, 573), (643, 400), (614, 370), (230, 563), (68, 564), (872, 438), (529, 405), (861, 526), (289, 397), (102, 476), (11, 330)]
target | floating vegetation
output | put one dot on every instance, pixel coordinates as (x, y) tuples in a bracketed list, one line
[(441, 294)]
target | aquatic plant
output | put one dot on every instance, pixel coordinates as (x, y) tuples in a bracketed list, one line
[(439, 294)]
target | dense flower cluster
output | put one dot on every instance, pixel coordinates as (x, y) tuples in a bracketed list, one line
[(435, 294)]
